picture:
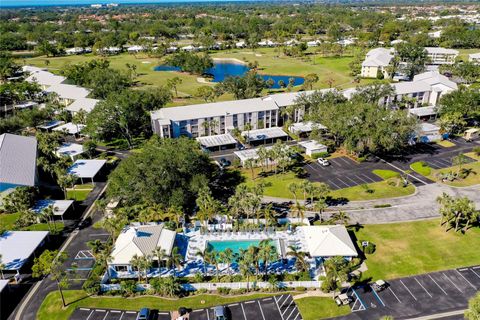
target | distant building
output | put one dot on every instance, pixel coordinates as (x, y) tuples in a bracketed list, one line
[(68, 93), (18, 162), (376, 62), (43, 78), (439, 55), (76, 50), (85, 104)]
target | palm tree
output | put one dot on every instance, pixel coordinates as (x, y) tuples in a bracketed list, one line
[(249, 164), (340, 217), (226, 256), (459, 161), (268, 214), (136, 262), (160, 254), (262, 153), (253, 252), (267, 253), (293, 188), (337, 269), (46, 215), (204, 255), (175, 260), (244, 265), (247, 127), (307, 187), (146, 264), (213, 257), (300, 262), (299, 210)]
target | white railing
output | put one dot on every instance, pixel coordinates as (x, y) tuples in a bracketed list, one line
[(232, 285)]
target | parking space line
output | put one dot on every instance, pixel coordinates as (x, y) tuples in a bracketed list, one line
[(85, 309), (408, 290), (451, 282), (291, 312), (367, 177), (340, 180), (336, 186), (394, 294), (91, 312), (285, 302), (360, 178), (115, 311), (106, 314), (121, 316), (261, 310), (423, 287), (233, 305), (280, 298), (438, 285), (358, 299), (208, 315), (244, 315), (461, 275), (298, 315), (248, 302), (286, 309), (267, 299), (355, 182), (279, 311), (377, 296), (475, 272)]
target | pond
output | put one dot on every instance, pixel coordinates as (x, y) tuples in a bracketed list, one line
[(222, 70)]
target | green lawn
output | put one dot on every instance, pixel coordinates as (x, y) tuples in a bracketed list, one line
[(51, 308), (7, 221), (472, 179), (445, 143), (313, 308), (386, 174), (277, 186), (422, 168), (80, 193), (410, 248), (335, 68)]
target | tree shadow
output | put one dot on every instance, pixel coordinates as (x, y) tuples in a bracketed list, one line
[(77, 300)]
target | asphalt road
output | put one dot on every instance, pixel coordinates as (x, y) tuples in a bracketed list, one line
[(416, 296)]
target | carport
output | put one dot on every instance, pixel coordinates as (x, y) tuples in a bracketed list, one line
[(304, 128), (86, 169), (264, 136), (60, 207), (217, 142)]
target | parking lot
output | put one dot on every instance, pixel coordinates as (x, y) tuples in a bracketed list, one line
[(343, 172), (280, 307), (273, 308), (108, 314), (418, 295)]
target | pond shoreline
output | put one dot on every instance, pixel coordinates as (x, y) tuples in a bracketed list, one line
[(231, 60)]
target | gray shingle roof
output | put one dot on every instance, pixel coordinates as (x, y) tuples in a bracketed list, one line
[(18, 159)]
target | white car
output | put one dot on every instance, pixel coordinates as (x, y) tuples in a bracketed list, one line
[(323, 162)]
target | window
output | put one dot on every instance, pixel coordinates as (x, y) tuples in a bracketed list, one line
[(121, 268)]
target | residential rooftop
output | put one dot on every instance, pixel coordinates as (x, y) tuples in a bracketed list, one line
[(18, 160)]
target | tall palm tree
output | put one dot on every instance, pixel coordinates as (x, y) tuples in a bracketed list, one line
[(146, 264), (244, 265), (337, 269), (253, 252), (204, 255), (175, 260), (160, 254), (307, 188), (267, 253), (293, 188), (300, 261), (268, 214), (214, 258), (247, 127), (136, 262), (226, 256), (250, 164), (299, 210)]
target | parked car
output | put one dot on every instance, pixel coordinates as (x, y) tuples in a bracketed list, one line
[(220, 313), (343, 299), (379, 285), (323, 162), (224, 162), (84, 223), (144, 314)]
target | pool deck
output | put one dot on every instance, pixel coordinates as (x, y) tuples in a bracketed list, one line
[(199, 242)]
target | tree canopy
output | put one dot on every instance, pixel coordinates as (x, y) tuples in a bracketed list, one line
[(248, 86), (169, 172), (190, 62)]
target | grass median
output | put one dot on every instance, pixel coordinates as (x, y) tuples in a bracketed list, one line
[(410, 248), (51, 308)]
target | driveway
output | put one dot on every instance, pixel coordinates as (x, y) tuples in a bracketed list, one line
[(416, 296)]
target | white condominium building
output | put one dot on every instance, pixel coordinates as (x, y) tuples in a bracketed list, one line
[(441, 55), (377, 60)]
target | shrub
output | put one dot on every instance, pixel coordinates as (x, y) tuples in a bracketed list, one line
[(224, 291), (300, 289), (328, 285), (385, 205), (320, 155), (421, 167), (370, 248), (362, 159)]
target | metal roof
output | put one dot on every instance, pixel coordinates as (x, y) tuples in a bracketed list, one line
[(141, 240), (69, 91), (17, 246), (59, 206), (18, 159), (263, 134), (45, 78), (70, 150), (86, 168), (216, 140), (423, 111), (312, 145), (328, 241), (86, 104), (70, 128)]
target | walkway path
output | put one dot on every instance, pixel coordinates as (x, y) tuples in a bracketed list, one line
[(421, 205)]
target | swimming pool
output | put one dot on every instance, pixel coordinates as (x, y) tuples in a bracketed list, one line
[(234, 245)]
